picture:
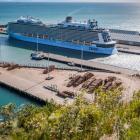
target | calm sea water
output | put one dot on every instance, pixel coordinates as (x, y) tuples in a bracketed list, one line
[(7, 96), (110, 15)]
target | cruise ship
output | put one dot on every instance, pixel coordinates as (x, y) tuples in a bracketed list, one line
[(70, 34)]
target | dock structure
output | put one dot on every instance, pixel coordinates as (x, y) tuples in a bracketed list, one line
[(32, 82), (126, 37), (128, 49), (3, 29), (3, 32), (33, 89), (90, 64)]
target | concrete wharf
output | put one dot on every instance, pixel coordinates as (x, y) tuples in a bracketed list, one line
[(126, 37), (3, 32), (90, 64), (30, 82), (3, 29), (128, 49), (32, 88)]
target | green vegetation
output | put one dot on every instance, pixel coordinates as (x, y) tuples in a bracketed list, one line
[(108, 116)]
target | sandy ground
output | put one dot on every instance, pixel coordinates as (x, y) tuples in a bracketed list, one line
[(33, 81)]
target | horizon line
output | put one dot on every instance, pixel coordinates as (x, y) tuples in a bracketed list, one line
[(63, 2)]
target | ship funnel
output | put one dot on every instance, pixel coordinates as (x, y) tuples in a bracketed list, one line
[(69, 19)]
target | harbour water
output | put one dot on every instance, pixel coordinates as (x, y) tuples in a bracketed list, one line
[(7, 96), (111, 15), (19, 52), (122, 16)]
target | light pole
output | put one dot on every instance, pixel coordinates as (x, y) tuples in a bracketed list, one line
[(48, 66), (82, 56), (0, 50)]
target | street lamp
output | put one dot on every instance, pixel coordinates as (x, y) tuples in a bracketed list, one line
[(49, 77), (0, 50), (82, 56), (48, 65)]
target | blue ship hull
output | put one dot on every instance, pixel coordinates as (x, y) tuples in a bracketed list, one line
[(68, 45)]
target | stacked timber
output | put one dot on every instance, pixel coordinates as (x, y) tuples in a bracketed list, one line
[(88, 83), (73, 80), (82, 79), (69, 93), (9, 66), (114, 85), (88, 75), (5, 65), (107, 86), (54, 89), (111, 83), (109, 79), (78, 82), (66, 94), (49, 69), (62, 94), (12, 67), (95, 85)]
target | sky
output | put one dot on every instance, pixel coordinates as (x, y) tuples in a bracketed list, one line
[(71, 0)]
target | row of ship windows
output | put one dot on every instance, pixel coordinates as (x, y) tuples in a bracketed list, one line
[(64, 35), (47, 37)]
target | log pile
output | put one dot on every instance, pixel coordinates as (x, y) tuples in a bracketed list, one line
[(78, 80), (49, 69), (9, 66), (109, 79), (5, 65), (84, 78), (111, 83), (94, 85), (88, 83), (66, 94), (13, 66), (62, 94), (73, 80), (69, 93)]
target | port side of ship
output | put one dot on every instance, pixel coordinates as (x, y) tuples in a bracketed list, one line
[(68, 34)]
